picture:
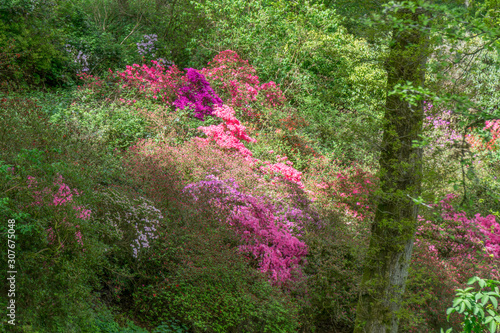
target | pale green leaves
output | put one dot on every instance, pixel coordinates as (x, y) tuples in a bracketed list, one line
[(480, 309), (411, 93)]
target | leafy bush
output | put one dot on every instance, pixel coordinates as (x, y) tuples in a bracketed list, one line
[(48, 176), (115, 125), (334, 270), (467, 302)]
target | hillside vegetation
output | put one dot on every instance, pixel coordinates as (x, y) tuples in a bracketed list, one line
[(214, 166)]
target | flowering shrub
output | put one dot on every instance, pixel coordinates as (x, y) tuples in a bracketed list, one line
[(184, 164), (485, 230), (492, 129), (79, 58), (197, 274), (198, 161), (56, 240), (229, 133), (198, 95), (135, 221), (239, 86), (195, 271), (279, 169), (57, 233), (266, 230), (146, 47), (448, 251), (443, 134), (345, 189), (152, 82)]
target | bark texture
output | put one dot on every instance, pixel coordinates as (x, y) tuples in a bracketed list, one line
[(395, 222)]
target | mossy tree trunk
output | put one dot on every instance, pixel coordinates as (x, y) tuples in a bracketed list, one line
[(395, 222)]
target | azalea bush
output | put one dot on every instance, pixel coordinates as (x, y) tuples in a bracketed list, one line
[(347, 189), (57, 240), (483, 168), (205, 280), (239, 86), (207, 283), (449, 248), (269, 233)]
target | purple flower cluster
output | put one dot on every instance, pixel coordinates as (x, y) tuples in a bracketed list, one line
[(147, 46), (164, 62), (142, 241), (198, 95), (79, 57), (269, 232), (145, 227), (440, 124)]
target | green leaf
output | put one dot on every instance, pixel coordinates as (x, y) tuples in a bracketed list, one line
[(491, 312), (493, 327), (472, 280), (475, 311), (494, 302)]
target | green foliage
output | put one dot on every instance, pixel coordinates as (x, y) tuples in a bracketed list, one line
[(195, 273), (47, 42), (23, 30), (116, 27), (61, 276), (115, 124), (171, 326), (60, 280), (325, 73), (193, 278), (479, 316), (334, 270)]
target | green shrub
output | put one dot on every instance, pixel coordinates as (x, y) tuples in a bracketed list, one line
[(334, 271), (115, 125), (48, 176)]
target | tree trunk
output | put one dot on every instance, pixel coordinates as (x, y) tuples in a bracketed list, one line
[(395, 222)]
